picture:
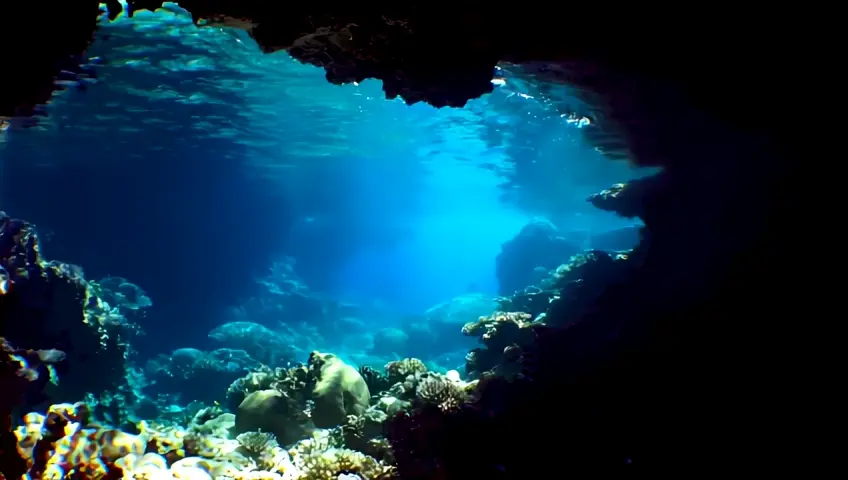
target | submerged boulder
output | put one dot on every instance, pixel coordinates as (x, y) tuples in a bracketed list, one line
[(529, 256), (339, 391), (269, 411)]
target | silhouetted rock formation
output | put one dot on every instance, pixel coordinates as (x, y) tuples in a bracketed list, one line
[(529, 256), (49, 305)]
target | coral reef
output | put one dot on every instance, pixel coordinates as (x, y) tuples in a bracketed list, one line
[(65, 442), (442, 392), (259, 447)]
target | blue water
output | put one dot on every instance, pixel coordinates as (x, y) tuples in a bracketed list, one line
[(195, 162)]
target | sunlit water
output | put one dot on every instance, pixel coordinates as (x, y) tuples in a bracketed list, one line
[(381, 203)]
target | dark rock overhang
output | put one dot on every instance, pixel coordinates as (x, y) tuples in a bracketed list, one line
[(623, 69)]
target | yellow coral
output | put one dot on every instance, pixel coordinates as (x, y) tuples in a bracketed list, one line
[(166, 440), (82, 451)]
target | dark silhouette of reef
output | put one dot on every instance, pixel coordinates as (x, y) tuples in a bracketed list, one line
[(52, 326), (675, 367), (537, 247), (49, 305)]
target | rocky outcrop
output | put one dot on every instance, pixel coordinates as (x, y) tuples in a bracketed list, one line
[(50, 305), (528, 257)]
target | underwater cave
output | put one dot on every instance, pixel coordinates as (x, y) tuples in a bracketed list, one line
[(236, 244)]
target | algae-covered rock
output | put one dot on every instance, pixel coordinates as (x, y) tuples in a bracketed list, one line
[(270, 411), (339, 391)]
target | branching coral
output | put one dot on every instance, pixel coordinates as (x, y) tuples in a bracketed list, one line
[(441, 392), (259, 447), (331, 463)]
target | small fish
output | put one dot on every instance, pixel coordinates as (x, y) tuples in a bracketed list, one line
[(51, 356)]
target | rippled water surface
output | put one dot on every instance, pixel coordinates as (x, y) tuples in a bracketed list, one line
[(194, 132)]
